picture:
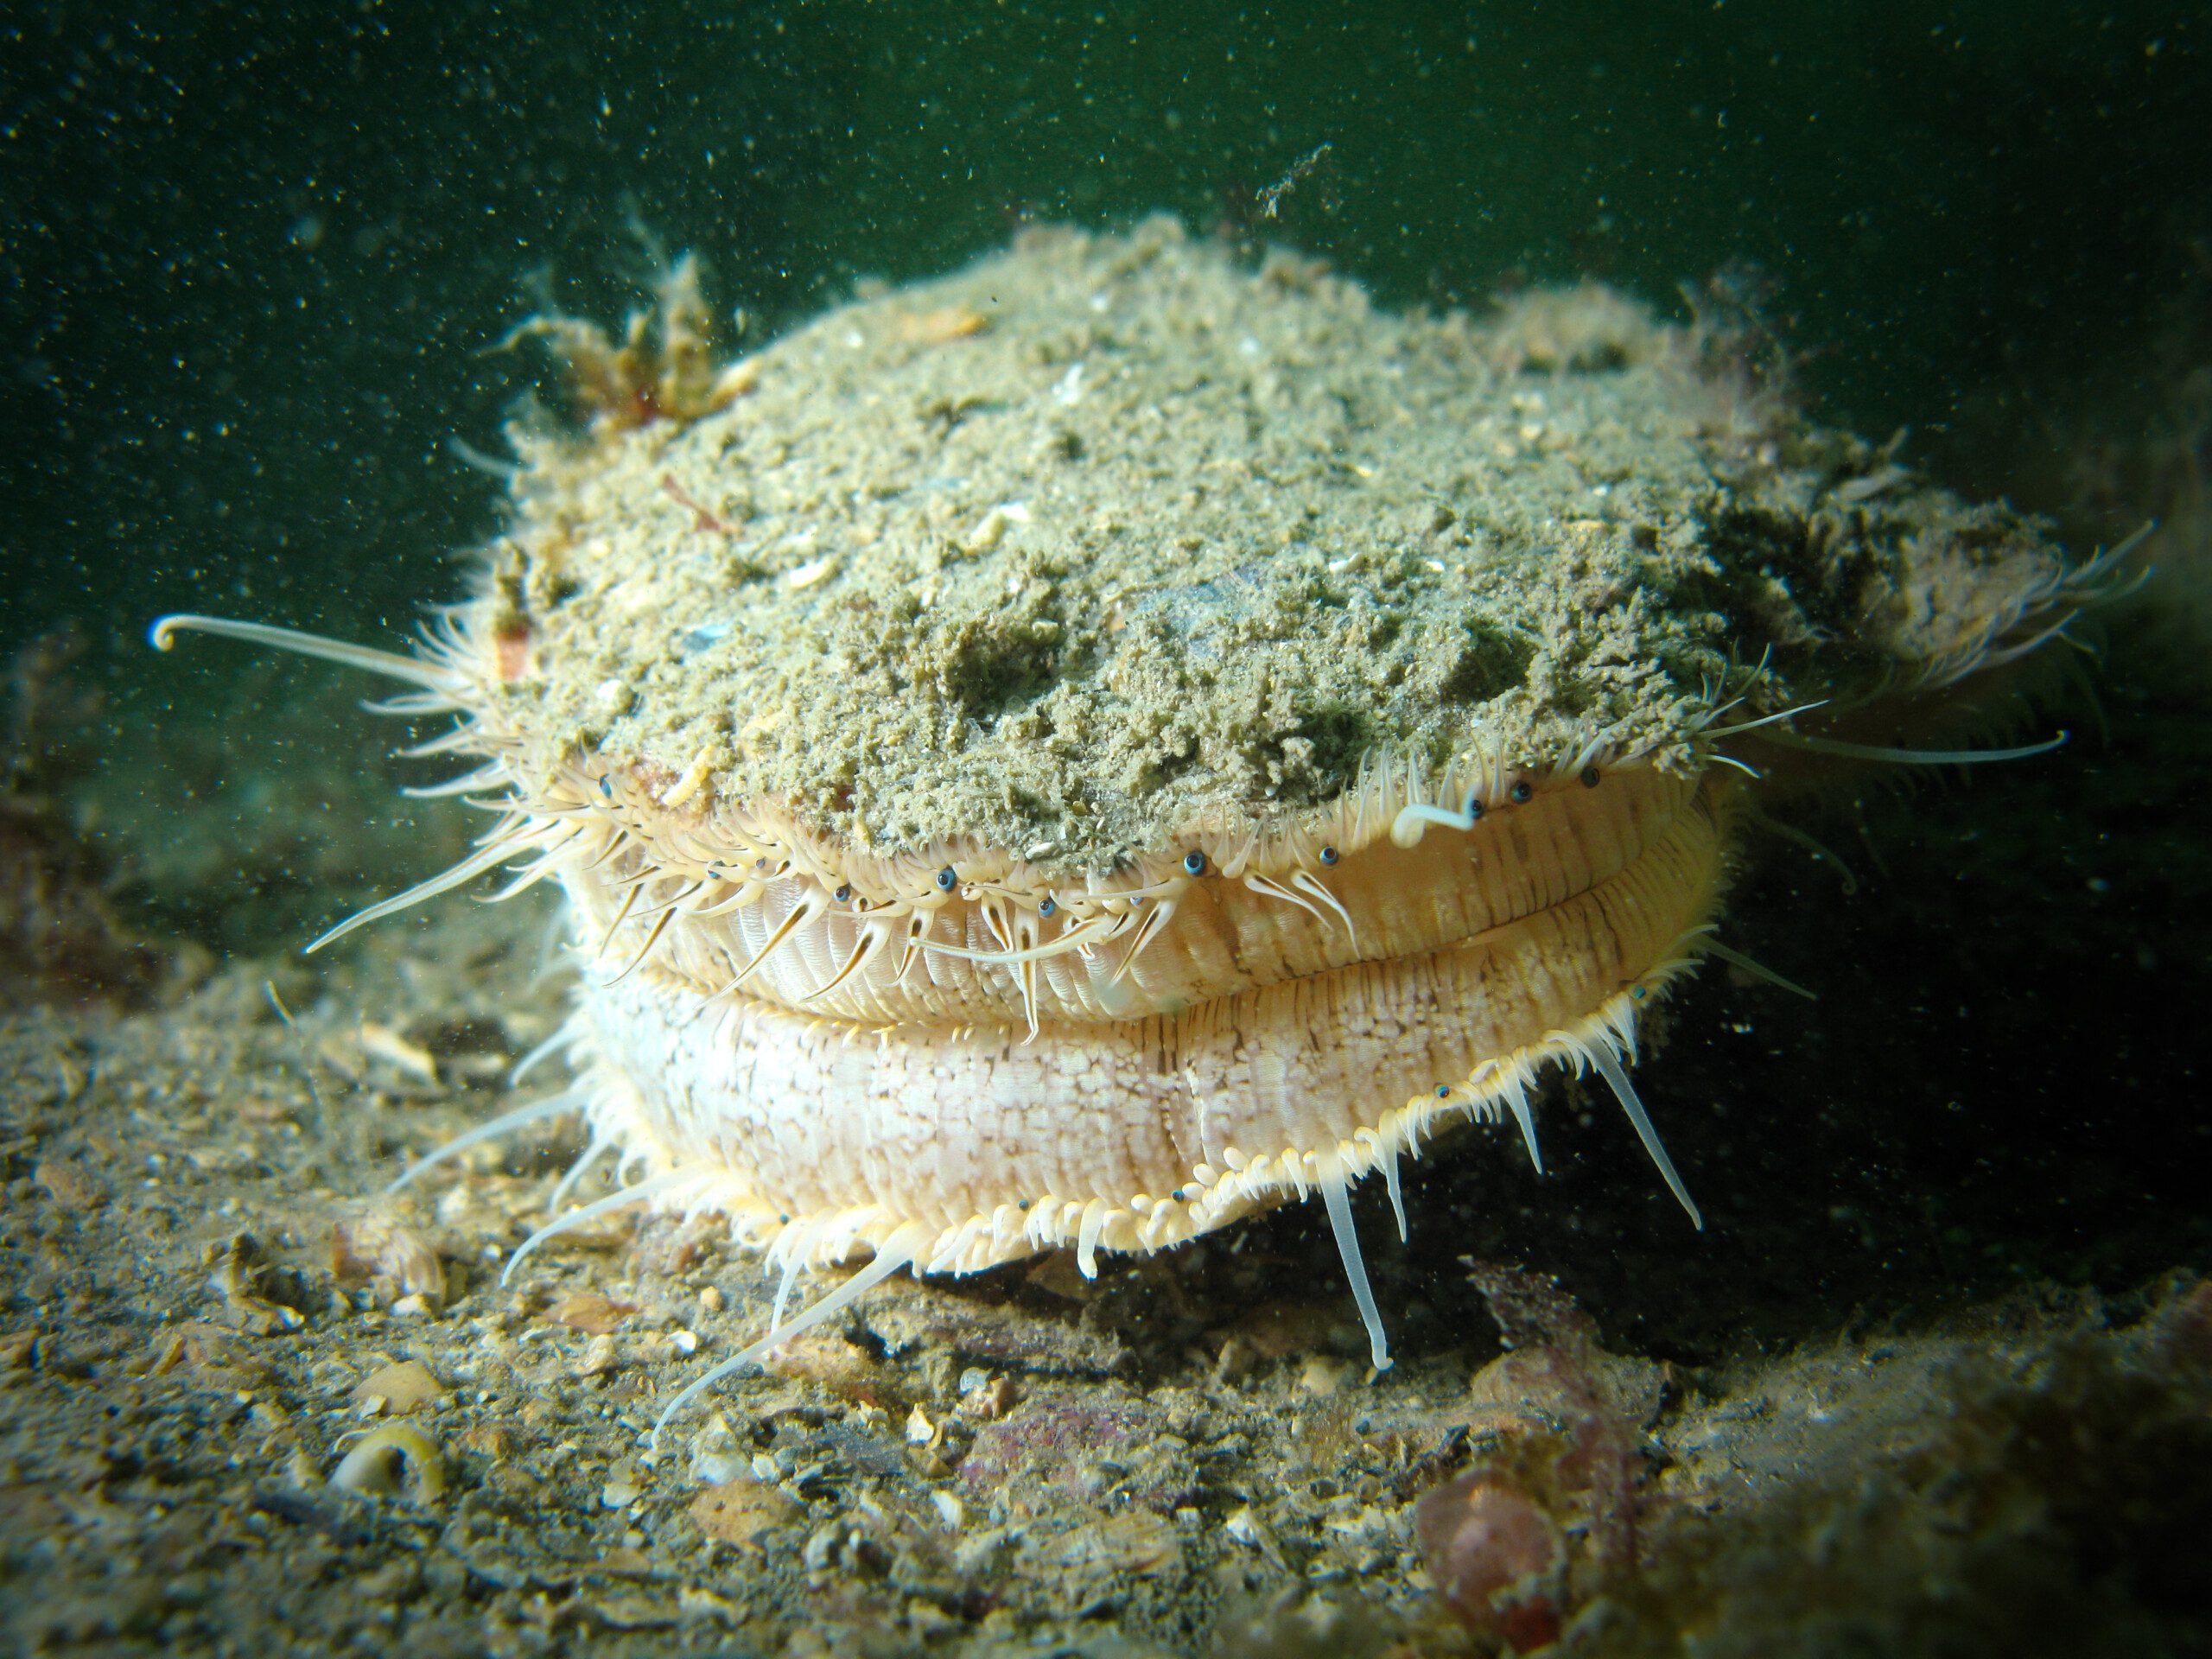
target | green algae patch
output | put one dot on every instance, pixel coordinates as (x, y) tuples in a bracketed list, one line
[(1105, 537)]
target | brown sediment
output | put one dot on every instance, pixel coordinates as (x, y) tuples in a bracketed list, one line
[(59, 939)]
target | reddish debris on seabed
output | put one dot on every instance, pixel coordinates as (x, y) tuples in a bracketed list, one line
[(1548, 1509), (1496, 1558)]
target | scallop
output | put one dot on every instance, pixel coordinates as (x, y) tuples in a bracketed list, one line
[(1340, 725)]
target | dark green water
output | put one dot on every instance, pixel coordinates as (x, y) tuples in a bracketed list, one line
[(253, 255)]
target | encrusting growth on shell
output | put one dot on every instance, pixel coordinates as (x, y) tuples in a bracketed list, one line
[(1176, 744), (663, 368)]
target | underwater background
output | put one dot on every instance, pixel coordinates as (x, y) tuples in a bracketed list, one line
[(257, 256), (256, 263)]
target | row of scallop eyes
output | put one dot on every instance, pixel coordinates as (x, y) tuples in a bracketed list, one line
[(1194, 862)]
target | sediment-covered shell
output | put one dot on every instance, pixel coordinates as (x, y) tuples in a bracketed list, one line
[(1077, 750), (1150, 540)]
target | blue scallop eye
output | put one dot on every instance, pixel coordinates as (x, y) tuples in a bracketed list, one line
[(1523, 793), (1045, 907), (605, 786), (946, 880), (841, 894), (1328, 855), (1194, 863), (1474, 806)]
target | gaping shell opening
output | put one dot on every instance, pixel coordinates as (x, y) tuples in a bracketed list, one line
[(1236, 1031)]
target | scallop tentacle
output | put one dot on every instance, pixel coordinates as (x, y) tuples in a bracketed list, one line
[(900, 1250)]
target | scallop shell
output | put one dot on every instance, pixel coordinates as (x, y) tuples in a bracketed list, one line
[(1177, 740)]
